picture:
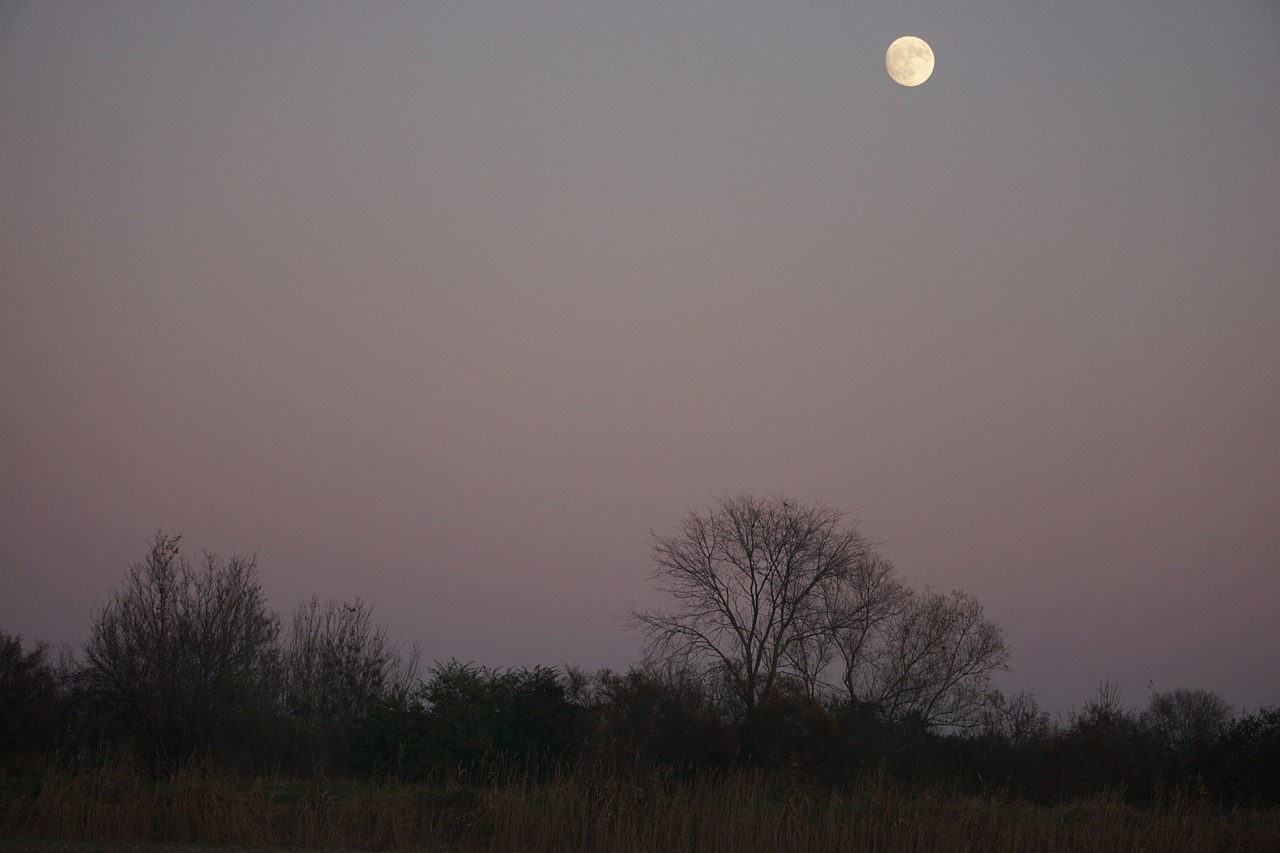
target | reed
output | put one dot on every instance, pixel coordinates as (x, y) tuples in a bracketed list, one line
[(581, 808)]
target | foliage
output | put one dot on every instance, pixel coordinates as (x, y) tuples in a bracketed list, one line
[(659, 716), (464, 714), (185, 662), (1248, 767), (474, 710), (1104, 748)]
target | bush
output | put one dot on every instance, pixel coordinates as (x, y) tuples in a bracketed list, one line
[(466, 714), (1104, 750), (33, 715), (658, 717), (1249, 765)]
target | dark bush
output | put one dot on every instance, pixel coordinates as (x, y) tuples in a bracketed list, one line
[(1104, 750), (465, 715), (1186, 726), (1248, 767), (791, 730), (33, 716), (660, 717)]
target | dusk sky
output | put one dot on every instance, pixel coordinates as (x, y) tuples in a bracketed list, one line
[(447, 304)]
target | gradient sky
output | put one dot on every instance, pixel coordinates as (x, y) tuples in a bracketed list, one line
[(446, 304)]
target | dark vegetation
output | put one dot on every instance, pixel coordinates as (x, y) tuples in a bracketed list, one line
[(796, 696)]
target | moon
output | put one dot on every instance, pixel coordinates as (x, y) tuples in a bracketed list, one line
[(909, 61)]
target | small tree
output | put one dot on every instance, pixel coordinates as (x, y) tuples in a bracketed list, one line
[(755, 584), (183, 657), (338, 667), (1016, 720), (1187, 723)]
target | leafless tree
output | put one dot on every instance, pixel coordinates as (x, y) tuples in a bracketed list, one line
[(1105, 703), (337, 666), (1016, 720), (755, 584), (846, 622), (932, 661), (184, 656), (1186, 720), (864, 609)]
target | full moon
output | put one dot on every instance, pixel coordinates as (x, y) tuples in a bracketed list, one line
[(909, 61)]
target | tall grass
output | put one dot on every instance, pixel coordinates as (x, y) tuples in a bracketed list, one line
[(579, 808)]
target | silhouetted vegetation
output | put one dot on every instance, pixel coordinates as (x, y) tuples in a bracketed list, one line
[(465, 715), (187, 697), (33, 715), (339, 670), (775, 597), (183, 659)]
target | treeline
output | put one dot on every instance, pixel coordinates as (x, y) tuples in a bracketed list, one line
[(186, 661)]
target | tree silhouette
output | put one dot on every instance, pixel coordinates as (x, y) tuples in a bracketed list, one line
[(761, 586), (184, 656)]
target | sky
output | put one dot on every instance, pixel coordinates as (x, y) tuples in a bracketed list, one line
[(448, 304)]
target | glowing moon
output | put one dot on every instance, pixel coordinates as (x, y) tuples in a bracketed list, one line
[(909, 61)]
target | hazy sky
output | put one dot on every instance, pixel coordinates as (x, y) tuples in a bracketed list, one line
[(447, 303)]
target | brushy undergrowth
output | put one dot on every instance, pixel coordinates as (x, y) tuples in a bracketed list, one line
[(580, 808)]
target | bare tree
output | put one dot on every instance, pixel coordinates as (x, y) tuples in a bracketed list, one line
[(184, 656), (1017, 720), (1187, 721), (1105, 703), (337, 667), (846, 623), (932, 661), (755, 583), (864, 609)]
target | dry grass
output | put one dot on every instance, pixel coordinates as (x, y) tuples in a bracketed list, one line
[(581, 810)]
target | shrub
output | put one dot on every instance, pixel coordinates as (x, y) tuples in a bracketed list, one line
[(32, 713)]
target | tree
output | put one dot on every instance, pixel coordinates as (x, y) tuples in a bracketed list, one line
[(760, 586), (184, 657), (337, 668), (1187, 722), (1016, 720), (932, 662), (864, 608)]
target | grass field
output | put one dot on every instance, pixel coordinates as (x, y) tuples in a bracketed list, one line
[(578, 810)]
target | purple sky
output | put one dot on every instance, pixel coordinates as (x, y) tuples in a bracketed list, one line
[(447, 303)]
